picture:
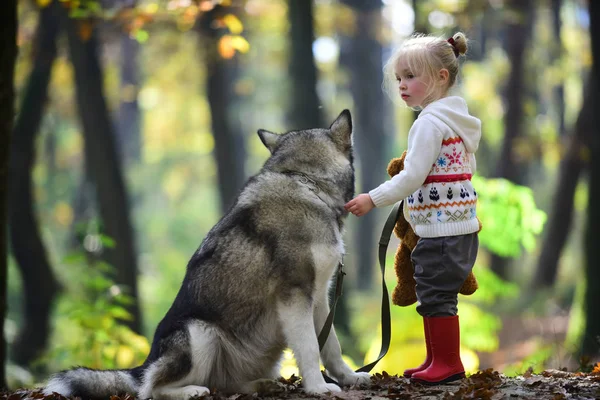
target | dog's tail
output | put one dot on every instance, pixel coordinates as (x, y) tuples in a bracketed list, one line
[(94, 384)]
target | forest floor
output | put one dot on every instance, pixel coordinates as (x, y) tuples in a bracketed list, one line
[(485, 385)]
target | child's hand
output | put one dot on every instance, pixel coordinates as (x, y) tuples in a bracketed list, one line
[(360, 205)]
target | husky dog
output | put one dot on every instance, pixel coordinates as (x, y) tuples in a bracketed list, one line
[(258, 284)]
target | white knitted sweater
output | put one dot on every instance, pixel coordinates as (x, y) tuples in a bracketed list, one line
[(436, 181)]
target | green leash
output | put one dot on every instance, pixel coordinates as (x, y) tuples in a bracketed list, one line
[(386, 326)]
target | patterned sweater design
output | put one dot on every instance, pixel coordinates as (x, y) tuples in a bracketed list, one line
[(447, 195), (436, 181)]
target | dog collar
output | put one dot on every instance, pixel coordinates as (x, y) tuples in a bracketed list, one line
[(307, 181)]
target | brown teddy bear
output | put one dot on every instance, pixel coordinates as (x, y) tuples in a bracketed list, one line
[(404, 293)]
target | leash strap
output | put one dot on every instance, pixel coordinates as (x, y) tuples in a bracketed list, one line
[(386, 330), (386, 325), (338, 293)]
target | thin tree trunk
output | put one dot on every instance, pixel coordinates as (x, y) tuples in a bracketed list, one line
[(557, 51), (561, 215), (39, 285), (8, 54), (518, 31), (478, 47), (222, 74), (128, 122), (103, 162), (305, 104), (364, 58), (591, 337), (420, 22)]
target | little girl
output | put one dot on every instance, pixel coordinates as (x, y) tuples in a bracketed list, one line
[(439, 199)]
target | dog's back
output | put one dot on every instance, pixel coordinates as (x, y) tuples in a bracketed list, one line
[(259, 270)]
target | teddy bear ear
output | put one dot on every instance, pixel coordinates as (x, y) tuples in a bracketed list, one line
[(395, 166), (403, 156)]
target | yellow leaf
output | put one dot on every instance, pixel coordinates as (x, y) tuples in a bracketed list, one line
[(125, 357), (234, 24), (240, 44), (226, 49), (43, 3), (63, 213), (152, 8)]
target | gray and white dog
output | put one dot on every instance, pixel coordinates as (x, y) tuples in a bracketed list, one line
[(257, 284)]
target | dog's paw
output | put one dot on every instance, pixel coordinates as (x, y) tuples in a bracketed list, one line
[(182, 393), (264, 387), (355, 378), (323, 388), (191, 392)]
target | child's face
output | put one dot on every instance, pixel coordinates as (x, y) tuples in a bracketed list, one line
[(413, 89)]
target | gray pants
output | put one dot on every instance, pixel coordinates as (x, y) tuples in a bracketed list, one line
[(442, 265)]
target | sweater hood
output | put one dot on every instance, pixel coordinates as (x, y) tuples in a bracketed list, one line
[(453, 112)]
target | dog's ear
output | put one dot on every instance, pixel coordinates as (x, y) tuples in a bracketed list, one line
[(341, 130), (269, 139)]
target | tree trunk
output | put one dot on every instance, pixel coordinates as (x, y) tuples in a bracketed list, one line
[(518, 31), (305, 104), (128, 122), (591, 338), (39, 285), (364, 59), (8, 54), (557, 51), (103, 162), (222, 74), (420, 19), (570, 169)]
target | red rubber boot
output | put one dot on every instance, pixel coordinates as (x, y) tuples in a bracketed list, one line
[(444, 337), (408, 373)]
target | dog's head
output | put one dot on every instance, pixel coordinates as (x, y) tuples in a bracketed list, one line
[(325, 155)]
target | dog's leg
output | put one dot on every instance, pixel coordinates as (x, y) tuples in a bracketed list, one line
[(295, 315), (165, 380), (171, 376), (331, 354)]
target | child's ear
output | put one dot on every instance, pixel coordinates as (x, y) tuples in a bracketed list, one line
[(444, 75)]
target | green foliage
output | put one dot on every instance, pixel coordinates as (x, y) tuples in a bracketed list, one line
[(88, 327), (85, 9), (576, 327), (494, 288), (510, 217), (534, 362)]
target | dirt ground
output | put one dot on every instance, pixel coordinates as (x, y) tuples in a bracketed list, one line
[(486, 385)]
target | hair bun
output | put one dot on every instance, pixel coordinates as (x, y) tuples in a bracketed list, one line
[(460, 42)]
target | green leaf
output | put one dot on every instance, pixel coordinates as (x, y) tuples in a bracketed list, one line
[(511, 220), (107, 241), (78, 13), (142, 36)]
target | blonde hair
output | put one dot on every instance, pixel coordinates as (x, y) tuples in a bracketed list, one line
[(426, 56)]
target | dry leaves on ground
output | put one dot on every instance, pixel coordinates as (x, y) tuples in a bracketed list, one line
[(483, 385)]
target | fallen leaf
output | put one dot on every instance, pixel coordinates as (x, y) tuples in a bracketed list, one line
[(533, 381)]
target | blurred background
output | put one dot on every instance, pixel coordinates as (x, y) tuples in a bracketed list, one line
[(136, 127)]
